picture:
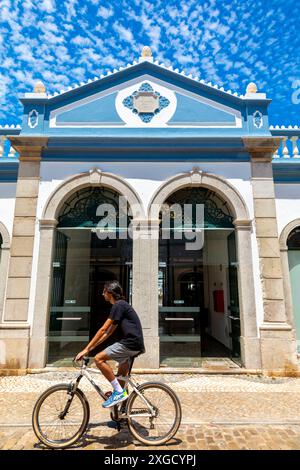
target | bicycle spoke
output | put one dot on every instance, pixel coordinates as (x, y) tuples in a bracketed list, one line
[(52, 425), (166, 414)]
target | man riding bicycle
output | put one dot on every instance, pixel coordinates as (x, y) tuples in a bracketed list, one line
[(124, 317)]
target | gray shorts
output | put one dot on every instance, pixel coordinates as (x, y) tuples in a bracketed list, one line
[(118, 352)]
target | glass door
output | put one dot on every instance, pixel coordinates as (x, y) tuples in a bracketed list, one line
[(294, 268), (180, 304), (81, 266), (233, 307), (70, 306)]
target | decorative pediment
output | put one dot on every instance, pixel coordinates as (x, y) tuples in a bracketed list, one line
[(143, 96), (150, 99)]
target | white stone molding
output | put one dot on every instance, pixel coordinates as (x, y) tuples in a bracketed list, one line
[(95, 177), (5, 236), (196, 177), (285, 269), (4, 263)]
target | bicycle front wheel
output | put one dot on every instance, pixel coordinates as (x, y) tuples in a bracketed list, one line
[(59, 417), (160, 427)]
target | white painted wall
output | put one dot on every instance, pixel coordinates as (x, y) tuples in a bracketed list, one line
[(7, 204), (287, 204), (145, 178)]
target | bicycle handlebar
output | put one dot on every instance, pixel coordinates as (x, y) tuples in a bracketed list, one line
[(84, 359)]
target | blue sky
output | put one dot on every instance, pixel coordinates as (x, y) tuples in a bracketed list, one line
[(229, 43)]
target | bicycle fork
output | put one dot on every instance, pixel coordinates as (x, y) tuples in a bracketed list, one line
[(71, 392)]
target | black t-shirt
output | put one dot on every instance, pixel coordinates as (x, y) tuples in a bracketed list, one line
[(129, 325)]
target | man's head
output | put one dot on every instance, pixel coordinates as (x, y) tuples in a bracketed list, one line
[(112, 291)]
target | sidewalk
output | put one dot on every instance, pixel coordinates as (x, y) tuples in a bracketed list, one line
[(218, 412)]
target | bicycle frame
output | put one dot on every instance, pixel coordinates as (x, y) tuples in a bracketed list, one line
[(85, 372)]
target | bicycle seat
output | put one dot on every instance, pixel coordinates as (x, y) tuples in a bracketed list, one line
[(132, 360)]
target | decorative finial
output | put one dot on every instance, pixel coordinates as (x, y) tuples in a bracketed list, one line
[(146, 51), (251, 88), (39, 87)]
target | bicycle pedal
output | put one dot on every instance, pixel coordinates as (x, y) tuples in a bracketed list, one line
[(108, 394)]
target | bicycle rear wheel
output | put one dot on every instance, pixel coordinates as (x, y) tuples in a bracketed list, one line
[(59, 417), (157, 429)]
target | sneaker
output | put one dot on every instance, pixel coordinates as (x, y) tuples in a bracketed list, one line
[(116, 397)]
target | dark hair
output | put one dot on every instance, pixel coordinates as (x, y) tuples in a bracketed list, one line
[(115, 289)]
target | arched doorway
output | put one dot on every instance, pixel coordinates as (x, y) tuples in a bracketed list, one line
[(199, 313), (85, 257), (1, 241), (293, 244)]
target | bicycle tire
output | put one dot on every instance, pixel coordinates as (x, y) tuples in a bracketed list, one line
[(60, 444), (130, 410)]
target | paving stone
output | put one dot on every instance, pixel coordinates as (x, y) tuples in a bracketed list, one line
[(233, 412)]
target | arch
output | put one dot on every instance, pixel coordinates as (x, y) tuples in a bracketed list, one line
[(286, 270), (5, 236), (48, 223), (286, 232), (94, 178), (200, 178), (250, 346)]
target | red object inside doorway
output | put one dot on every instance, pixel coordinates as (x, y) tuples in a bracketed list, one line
[(218, 300)]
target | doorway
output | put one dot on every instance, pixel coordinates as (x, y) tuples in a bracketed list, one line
[(82, 263), (198, 289), (293, 244)]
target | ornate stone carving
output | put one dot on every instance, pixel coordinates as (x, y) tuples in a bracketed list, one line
[(145, 102)]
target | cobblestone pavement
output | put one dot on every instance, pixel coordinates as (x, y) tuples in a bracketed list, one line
[(218, 412)]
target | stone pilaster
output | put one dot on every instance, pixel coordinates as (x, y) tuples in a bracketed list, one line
[(4, 263), (15, 329), (278, 349), (145, 287), (39, 334), (250, 346)]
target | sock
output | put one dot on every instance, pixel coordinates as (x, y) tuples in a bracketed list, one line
[(116, 386)]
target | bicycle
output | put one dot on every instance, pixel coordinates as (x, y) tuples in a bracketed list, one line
[(61, 414)]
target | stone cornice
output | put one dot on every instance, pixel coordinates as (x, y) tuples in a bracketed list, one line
[(261, 148), (29, 148), (243, 224), (48, 224)]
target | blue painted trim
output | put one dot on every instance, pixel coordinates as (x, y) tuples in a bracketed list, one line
[(150, 149), (9, 172), (285, 132), (142, 156), (7, 132), (122, 131), (156, 71), (286, 171)]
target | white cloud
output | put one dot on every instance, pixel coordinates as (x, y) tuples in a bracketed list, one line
[(71, 41), (105, 12), (124, 33), (47, 5)]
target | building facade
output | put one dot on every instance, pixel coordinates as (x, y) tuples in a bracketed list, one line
[(150, 138)]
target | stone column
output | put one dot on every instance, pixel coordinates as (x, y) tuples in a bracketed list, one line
[(145, 287), (250, 346), (15, 328), (278, 347), (4, 263), (39, 335)]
